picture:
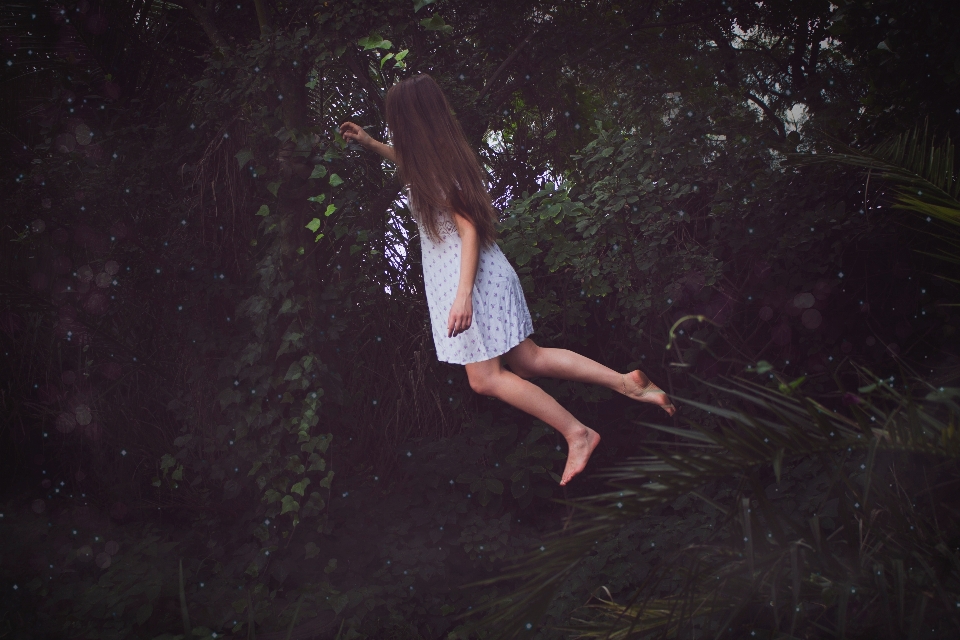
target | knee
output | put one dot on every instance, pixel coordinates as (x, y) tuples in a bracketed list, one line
[(482, 384)]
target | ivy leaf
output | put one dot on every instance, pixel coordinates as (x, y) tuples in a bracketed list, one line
[(330, 209), (289, 504), (293, 372), (264, 210), (331, 566), (318, 199), (272, 188), (335, 180), (374, 42), (301, 486), (314, 224), (312, 550), (435, 23), (420, 4), (243, 157), (384, 59), (318, 172), (325, 483)]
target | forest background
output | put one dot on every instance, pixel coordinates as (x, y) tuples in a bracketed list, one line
[(222, 413)]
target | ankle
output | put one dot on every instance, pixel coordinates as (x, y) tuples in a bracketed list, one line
[(576, 434)]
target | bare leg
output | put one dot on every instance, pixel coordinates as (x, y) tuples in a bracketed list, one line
[(529, 361), (492, 379)]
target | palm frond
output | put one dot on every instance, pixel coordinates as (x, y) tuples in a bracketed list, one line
[(922, 168), (776, 428)]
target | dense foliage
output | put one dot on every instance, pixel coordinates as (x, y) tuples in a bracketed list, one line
[(222, 410)]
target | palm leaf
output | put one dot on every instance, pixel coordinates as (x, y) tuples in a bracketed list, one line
[(923, 169), (771, 425)]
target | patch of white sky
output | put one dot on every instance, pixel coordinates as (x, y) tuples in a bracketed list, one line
[(798, 114)]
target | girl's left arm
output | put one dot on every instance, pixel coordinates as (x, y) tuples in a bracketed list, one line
[(461, 314)]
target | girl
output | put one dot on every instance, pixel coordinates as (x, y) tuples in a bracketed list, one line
[(477, 310)]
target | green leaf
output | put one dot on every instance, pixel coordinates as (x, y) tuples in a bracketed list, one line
[(762, 367), (144, 613), (318, 172), (273, 187), (420, 4), (293, 372), (494, 485), (289, 504), (301, 486), (325, 483), (384, 59), (401, 55), (335, 180), (312, 550), (318, 199), (264, 210), (330, 209), (243, 157), (314, 224), (167, 461), (374, 42), (331, 566), (435, 23)]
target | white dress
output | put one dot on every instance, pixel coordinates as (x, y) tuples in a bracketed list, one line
[(501, 319)]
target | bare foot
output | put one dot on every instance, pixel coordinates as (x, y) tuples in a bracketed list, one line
[(638, 386), (580, 449)]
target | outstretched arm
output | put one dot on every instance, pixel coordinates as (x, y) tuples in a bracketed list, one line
[(351, 131), (461, 314)]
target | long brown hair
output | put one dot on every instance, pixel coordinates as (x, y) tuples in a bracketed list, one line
[(434, 158)]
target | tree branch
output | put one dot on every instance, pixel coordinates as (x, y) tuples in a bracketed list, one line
[(203, 17), (262, 17), (781, 130), (503, 65), (350, 57), (653, 25)]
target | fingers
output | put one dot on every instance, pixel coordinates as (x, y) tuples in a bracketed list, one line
[(457, 324), (350, 130)]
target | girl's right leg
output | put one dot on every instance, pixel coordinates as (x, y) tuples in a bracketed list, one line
[(528, 360), (490, 378)]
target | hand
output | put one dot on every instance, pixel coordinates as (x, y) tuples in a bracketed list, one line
[(355, 132), (461, 316)]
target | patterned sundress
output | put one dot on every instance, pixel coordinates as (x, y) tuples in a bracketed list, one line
[(501, 319)]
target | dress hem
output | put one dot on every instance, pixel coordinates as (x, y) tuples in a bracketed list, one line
[(527, 335)]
